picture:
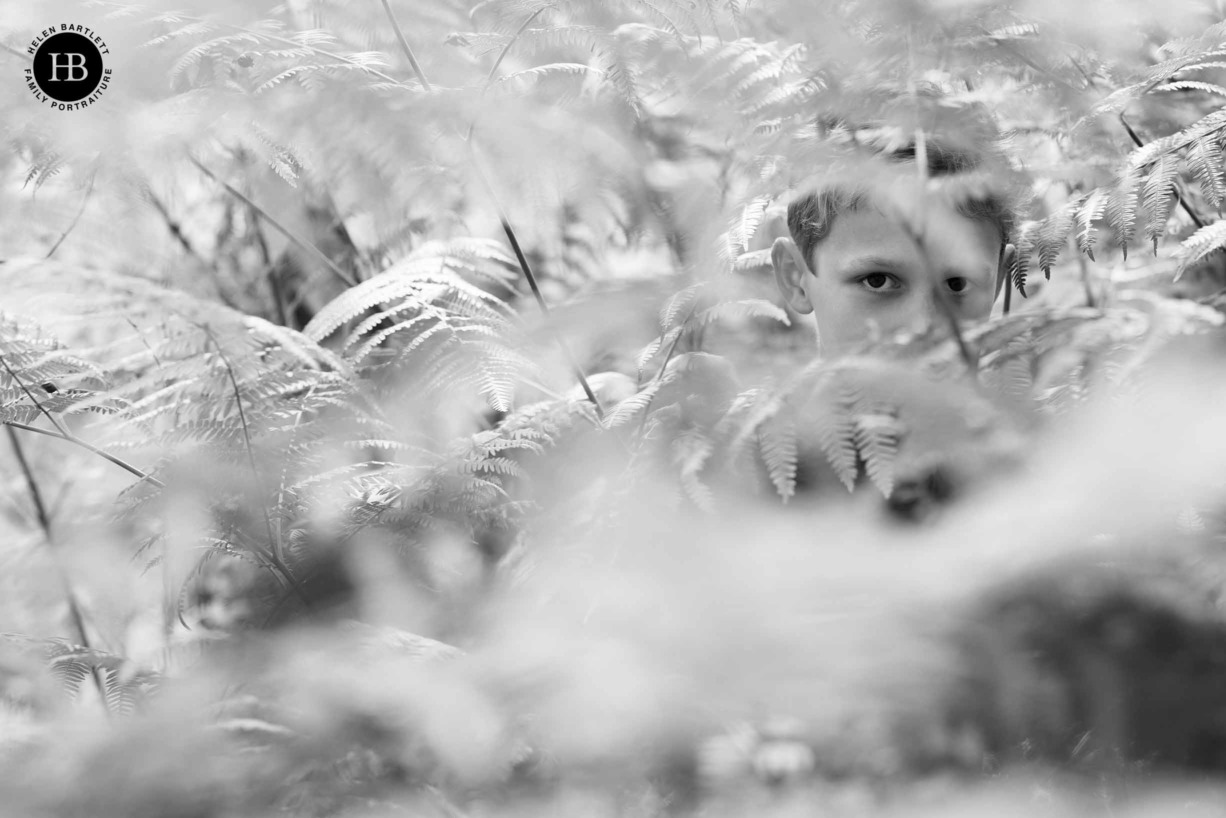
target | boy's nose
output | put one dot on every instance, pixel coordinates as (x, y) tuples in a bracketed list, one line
[(927, 309)]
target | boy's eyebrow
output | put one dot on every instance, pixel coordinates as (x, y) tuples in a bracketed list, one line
[(873, 260)]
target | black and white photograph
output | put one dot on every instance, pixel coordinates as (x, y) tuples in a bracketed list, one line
[(612, 408)]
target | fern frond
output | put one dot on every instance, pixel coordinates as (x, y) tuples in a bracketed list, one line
[(1023, 248), (660, 342), (1206, 164), (624, 79), (419, 278), (1193, 85), (538, 72), (193, 28), (679, 302), (746, 227), (745, 308), (662, 17), (122, 686), (1091, 211), (305, 73), (779, 445), (753, 261), (691, 451), (1199, 245), (39, 375), (631, 407), (1158, 196), (878, 434), (576, 38), (1012, 370), (194, 56), (1051, 237), (835, 429), (47, 163), (1157, 75), (502, 466), (1121, 210)]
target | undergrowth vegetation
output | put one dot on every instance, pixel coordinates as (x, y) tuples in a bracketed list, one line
[(401, 417)]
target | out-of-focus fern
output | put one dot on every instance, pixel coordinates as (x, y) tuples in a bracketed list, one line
[(693, 308), (39, 375), (261, 406), (479, 484), (777, 441), (424, 310), (847, 423), (123, 686)]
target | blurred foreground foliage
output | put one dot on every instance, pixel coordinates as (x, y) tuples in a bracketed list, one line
[(403, 421)]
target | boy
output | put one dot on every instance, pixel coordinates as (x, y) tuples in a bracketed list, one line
[(875, 257)]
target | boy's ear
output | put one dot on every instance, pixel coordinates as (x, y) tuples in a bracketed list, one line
[(1006, 263), (790, 273)]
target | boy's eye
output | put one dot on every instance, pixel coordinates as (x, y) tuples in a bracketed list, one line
[(956, 284), (880, 282)]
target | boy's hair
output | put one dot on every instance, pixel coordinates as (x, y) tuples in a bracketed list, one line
[(810, 216)]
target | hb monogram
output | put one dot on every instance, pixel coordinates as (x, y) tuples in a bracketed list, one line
[(73, 64)]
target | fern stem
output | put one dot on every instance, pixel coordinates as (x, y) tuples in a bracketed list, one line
[(285, 473), (341, 230), (274, 543), (526, 268), (128, 467), (44, 523), (668, 356), (540, 300), (1091, 301), (489, 78), (946, 308), (273, 277), (89, 190), (1136, 140), (514, 37), (404, 46), (176, 230), (672, 348), (280, 228), (930, 275)]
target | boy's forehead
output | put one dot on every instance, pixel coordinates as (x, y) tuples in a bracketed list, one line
[(869, 232), (898, 189)]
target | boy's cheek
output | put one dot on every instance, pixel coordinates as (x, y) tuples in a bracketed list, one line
[(848, 319), (976, 308), (862, 320), (845, 325)]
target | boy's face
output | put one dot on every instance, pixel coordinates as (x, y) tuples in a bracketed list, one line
[(869, 275)]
